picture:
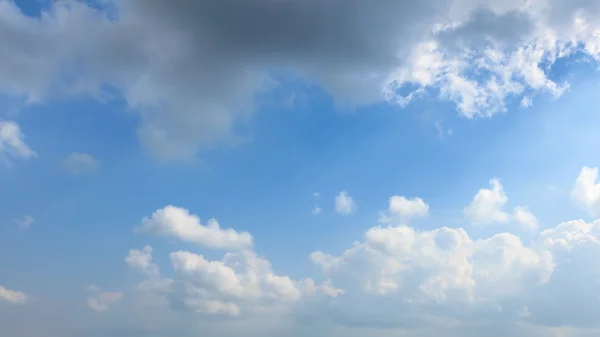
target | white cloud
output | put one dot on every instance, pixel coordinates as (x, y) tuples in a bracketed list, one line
[(525, 218), (178, 223), (25, 223), (12, 296), (241, 283), (12, 144), (487, 207), (102, 301), (317, 210), (141, 260), (586, 191), (79, 163), (400, 208), (344, 204)]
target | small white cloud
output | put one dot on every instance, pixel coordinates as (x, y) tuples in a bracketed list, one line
[(79, 163), (487, 205), (178, 223), (400, 208), (316, 194), (317, 210), (12, 144), (102, 301), (526, 102), (25, 223), (142, 260), (586, 191), (12, 296), (344, 204)]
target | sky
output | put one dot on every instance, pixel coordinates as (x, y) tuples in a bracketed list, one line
[(299, 168)]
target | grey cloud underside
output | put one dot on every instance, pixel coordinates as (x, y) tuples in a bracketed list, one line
[(191, 68)]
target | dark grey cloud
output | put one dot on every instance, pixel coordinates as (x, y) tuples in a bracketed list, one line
[(191, 68)]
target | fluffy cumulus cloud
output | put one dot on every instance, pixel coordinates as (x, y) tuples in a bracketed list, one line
[(402, 208), (12, 296), (178, 223), (344, 203), (240, 283), (12, 144), (487, 207), (398, 278), (586, 191), (478, 54)]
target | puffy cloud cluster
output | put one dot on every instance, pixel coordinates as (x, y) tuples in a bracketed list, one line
[(241, 282), (396, 277), (192, 69)]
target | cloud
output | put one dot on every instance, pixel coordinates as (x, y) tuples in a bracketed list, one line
[(344, 204), (12, 144), (317, 210), (178, 223), (102, 301), (586, 191), (25, 223), (141, 260), (79, 163), (476, 54), (12, 296), (487, 207), (400, 208)]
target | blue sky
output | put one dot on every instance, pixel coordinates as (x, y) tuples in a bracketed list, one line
[(270, 123)]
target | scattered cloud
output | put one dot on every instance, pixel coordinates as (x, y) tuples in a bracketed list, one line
[(344, 204), (317, 210), (79, 163), (12, 144), (401, 209), (487, 207), (101, 301), (12, 296), (178, 223), (586, 191), (25, 223)]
